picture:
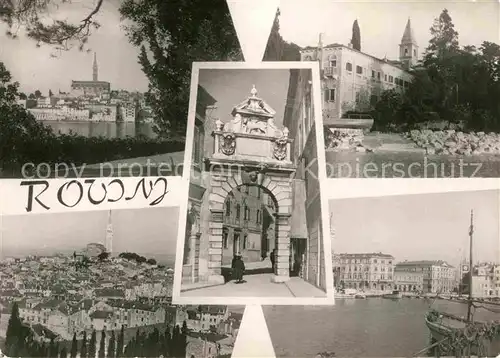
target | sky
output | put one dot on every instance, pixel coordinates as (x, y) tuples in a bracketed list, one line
[(382, 23), (230, 87), (35, 68), (151, 231), (419, 227)]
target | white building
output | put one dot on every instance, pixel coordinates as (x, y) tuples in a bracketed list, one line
[(354, 80)]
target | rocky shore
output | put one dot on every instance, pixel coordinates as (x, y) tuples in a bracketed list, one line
[(452, 142)]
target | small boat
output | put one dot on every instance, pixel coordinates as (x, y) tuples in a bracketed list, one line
[(395, 295), (360, 296), (464, 336)]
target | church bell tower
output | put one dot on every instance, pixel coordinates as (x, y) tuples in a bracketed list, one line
[(408, 49), (95, 69)]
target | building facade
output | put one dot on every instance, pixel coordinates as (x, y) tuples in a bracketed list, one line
[(251, 151), (94, 88), (370, 271), (486, 281), (352, 81), (438, 276), (408, 279)]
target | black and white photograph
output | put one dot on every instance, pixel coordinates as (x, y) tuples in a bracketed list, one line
[(99, 284), (254, 217), (414, 275), (409, 89), (92, 90)]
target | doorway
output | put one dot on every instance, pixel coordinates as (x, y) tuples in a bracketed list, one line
[(236, 243)]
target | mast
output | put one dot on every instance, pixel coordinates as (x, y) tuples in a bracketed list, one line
[(471, 232)]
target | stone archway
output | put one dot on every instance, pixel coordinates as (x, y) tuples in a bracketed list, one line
[(223, 180)]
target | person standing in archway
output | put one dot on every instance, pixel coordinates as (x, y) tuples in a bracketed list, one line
[(238, 267), (273, 258)]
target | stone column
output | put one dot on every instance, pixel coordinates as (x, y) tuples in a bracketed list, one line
[(282, 267), (215, 247)]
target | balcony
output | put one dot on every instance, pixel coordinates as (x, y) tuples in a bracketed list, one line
[(330, 72)]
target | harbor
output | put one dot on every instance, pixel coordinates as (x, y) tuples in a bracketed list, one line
[(372, 327)]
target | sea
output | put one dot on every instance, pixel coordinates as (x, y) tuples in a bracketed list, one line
[(104, 129), (373, 327), (406, 164)]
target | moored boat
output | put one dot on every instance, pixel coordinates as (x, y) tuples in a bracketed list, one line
[(463, 336), (360, 296), (395, 295)]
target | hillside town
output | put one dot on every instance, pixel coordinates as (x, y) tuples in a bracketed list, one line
[(88, 101), (61, 298), (376, 273)]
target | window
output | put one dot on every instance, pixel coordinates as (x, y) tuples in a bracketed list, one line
[(359, 70), (415, 53), (238, 209), (258, 219), (391, 79), (373, 74), (245, 213), (406, 52), (348, 66), (385, 78), (378, 76), (224, 240), (245, 242), (228, 207), (330, 95), (333, 63), (358, 97)]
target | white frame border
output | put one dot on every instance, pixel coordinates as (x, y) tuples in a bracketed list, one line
[(177, 298)]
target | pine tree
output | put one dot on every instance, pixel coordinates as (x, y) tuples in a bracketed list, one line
[(52, 348), (183, 339), (167, 343), (13, 331), (83, 348), (64, 353), (92, 345), (111, 345), (102, 345), (74, 347), (175, 341), (356, 36), (120, 343)]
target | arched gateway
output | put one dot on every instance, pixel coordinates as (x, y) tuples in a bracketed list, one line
[(250, 151)]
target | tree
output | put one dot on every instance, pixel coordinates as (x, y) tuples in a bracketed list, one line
[(38, 94), (176, 340), (53, 351), (120, 343), (13, 331), (63, 353), (23, 96), (83, 348), (183, 339), (50, 93), (31, 96), (103, 256), (102, 345), (111, 346), (151, 261), (170, 36), (92, 345), (275, 44), (32, 16), (356, 36), (74, 347)]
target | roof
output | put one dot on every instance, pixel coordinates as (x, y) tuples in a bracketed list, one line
[(101, 314), (408, 35), (424, 263), (109, 292), (368, 255)]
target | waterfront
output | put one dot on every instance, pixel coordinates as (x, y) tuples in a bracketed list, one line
[(409, 165), (105, 129), (373, 327)]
